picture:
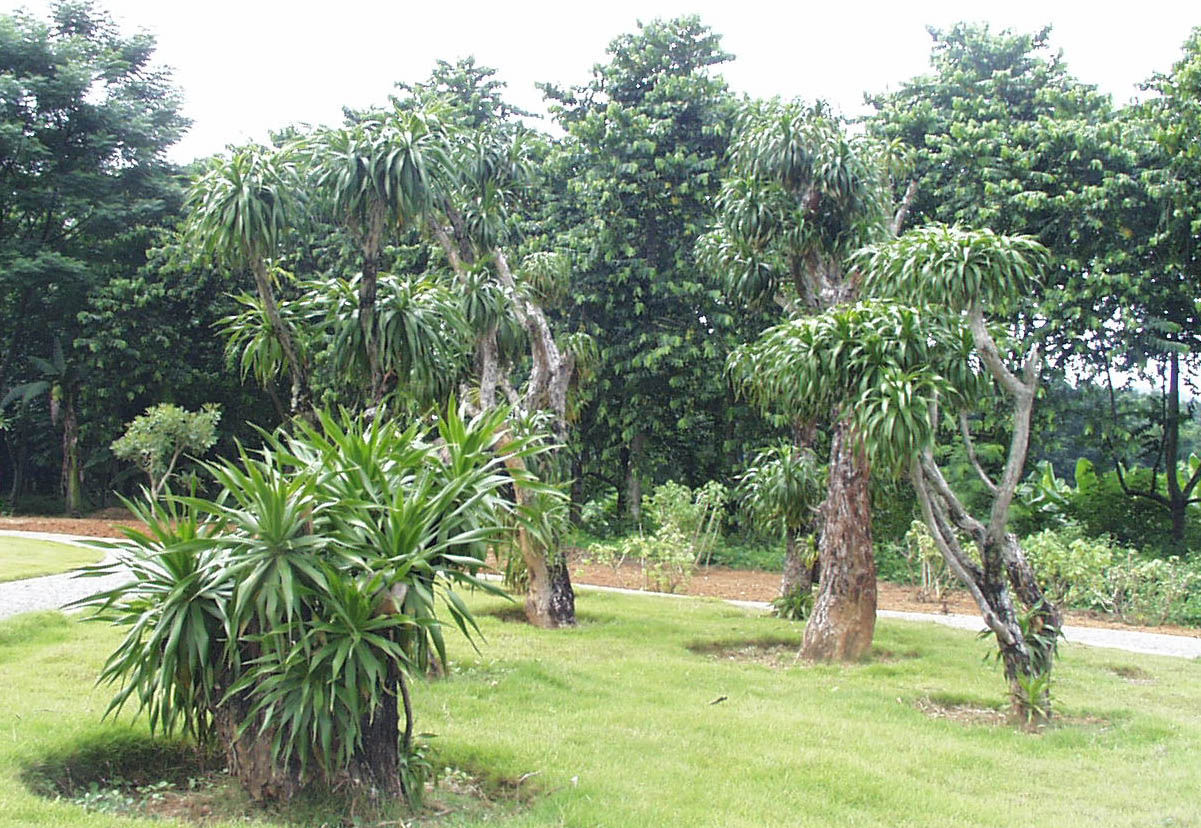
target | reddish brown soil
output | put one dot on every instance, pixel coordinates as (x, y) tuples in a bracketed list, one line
[(723, 582), (715, 581), (100, 524)]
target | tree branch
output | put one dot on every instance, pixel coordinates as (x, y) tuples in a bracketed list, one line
[(898, 220), (971, 454)]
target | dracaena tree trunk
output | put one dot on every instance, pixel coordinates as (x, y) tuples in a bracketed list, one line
[(301, 400), (1026, 643), (550, 599), (844, 615)]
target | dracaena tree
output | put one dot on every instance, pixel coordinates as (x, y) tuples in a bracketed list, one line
[(475, 226), (967, 277), (239, 211), (381, 173), (282, 620), (782, 488), (802, 195)]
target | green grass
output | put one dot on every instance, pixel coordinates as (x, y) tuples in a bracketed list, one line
[(615, 723), (32, 557)]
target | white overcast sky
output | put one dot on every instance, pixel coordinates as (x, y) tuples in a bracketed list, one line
[(252, 65)]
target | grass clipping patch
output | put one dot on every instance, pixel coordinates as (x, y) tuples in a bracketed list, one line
[(777, 651)]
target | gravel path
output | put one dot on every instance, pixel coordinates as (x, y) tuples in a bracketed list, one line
[(53, 591)]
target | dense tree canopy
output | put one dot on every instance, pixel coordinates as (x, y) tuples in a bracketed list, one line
[(643, 155)]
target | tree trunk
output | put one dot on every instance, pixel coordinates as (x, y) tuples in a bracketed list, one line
[(367, 292), (248, 754), (844, 615), (633, 481), (71, 471), (549, 598), (375, 766), (798, 572), (301, 398)]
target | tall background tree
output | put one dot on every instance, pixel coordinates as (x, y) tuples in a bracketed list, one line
[(634, 175), (86, 118), (1004, 136)]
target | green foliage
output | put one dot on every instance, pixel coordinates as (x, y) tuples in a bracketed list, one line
[(1157, 591), (796, 605), (879, 363), (953, 267), (800, 190), (691, 518), (782, 488), (665, 558), (156, 439), (1102, 508), (310, 584), (241, 207), (85, 120), (422, 337), (631, 185), (1095, 573), (1073, 570), (920, 550)]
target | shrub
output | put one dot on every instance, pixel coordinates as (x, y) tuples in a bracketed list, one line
[(1072, 570), (1094, 573), (1154, 591), (286, 614), (665, 558)]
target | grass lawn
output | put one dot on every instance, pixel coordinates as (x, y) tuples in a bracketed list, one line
[(31, 557), (614, 724)]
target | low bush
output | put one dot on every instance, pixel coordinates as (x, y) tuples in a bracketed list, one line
[(1095, 573)]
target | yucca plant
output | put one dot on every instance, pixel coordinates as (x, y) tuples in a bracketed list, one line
[(283, 617), (175, 604)]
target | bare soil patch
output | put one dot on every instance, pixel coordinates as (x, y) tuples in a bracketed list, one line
[(101, 524), (777, 651)]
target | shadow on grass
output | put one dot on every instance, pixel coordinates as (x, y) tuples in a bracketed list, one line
[(776, 650), (170, 779), (515, 614)]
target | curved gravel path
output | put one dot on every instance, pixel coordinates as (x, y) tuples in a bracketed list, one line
[(53, 591)]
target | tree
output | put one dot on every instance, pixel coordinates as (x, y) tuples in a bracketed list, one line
[(633, 178), (157, 439), (1145, 283), (969, 273), (85, 121), (282, 620), (783, 487), (473, 223), (380, 172), (1004, 137), (801, 197), (239, 210), (60, 381)]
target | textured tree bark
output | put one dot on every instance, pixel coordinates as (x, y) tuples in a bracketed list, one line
[(798, 572), (71, 476), (844, 615), (375, 765), (633, 485), (248, 754), (1026, 644)]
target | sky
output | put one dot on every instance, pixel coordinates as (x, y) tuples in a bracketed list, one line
[(255, 65)]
